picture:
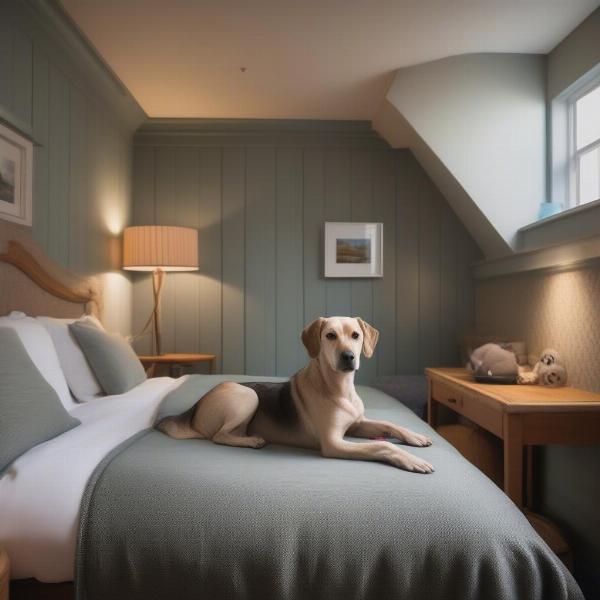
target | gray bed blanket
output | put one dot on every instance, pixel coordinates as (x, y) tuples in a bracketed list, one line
[(187, 519)]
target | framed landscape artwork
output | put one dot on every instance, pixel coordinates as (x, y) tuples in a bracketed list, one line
[(353, 249), (16, 166)]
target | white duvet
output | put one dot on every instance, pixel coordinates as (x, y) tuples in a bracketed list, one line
[(41, 492)]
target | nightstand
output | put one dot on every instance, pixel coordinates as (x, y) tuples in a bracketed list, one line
[(521, 416), (174, 361), (4, 574)]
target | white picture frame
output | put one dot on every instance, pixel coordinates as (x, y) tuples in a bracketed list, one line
[(353, 250), (16, 177)]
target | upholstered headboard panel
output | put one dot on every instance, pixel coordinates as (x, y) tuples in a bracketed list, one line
[(32, 283)]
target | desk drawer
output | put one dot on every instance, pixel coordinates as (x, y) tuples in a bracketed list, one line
[(450, 396), (470, 405), (477, 410)]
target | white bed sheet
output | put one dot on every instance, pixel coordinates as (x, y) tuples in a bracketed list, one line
[(40, 494)]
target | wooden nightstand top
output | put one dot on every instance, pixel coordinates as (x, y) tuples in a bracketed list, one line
[(174, 358), (519, 398)]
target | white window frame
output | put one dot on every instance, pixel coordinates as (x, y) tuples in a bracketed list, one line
[(564, 155), (574, 154)]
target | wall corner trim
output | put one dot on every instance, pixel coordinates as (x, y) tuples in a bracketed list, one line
[(60, 30), (240, 132)]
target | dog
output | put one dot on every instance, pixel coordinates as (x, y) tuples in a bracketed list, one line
[(315, 409)]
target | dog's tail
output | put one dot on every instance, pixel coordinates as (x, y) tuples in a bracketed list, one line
[(179, 426)]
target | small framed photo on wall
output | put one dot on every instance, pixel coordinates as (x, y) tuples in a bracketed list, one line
[(353, 249), (16, 169)]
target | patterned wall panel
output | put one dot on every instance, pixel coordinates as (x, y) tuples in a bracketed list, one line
[(558, 310)]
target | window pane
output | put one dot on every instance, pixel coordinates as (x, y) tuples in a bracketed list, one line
[(588, 118), (589, 176)]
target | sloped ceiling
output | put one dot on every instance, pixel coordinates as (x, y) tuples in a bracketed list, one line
[(304, 59), (477, 123)]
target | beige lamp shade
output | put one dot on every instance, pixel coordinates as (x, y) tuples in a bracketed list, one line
[(152, 247)]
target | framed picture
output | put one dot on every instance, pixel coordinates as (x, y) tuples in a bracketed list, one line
[(353, 249), (16, 169)]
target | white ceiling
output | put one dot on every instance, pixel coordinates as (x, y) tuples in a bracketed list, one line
[(304, 59)]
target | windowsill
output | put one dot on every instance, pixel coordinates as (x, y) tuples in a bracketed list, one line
[(565, 214), (568, 226), (567, 240)]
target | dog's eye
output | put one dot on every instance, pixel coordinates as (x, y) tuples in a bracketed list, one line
[(331, 336), (355, 335)]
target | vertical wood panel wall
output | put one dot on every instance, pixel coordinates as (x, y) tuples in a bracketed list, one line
[(82, 152), (260, 208)]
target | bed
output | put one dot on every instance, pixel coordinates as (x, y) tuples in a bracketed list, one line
[(127, 512)]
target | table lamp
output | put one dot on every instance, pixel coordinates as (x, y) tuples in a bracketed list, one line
[(159, 248)]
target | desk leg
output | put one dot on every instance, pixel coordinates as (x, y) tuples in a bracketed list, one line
[(212, 366), (529, 477), (432, 412), (513, 458)]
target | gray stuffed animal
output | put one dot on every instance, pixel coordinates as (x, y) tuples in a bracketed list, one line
[(492, 359)]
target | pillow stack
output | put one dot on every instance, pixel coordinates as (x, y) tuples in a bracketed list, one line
[(31, 411), (38, 345), (111, 358), (80, 377)]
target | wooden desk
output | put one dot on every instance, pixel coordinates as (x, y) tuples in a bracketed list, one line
[(520, 415), (171, 360)]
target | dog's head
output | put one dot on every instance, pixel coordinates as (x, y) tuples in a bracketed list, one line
[(338, 341)]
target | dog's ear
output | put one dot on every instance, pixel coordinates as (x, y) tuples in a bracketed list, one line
[(311, 336), (370, 337)]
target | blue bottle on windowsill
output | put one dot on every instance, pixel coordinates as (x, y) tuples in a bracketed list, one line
[(549, 209)]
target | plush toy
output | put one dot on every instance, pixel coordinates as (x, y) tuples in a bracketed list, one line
[(548, 371), (492, 359)]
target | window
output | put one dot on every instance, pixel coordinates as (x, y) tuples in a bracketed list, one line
[(584, 144), (575, 143)]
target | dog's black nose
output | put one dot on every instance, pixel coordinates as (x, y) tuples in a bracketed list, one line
[(347, 356)]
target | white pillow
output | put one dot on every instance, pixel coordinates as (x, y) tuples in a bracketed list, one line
[(39, 346), (80, 378)]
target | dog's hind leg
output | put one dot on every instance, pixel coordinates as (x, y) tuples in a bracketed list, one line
[(243, 441), (179, 427), (225, 413)]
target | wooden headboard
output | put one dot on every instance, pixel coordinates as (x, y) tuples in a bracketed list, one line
[(33, 283)]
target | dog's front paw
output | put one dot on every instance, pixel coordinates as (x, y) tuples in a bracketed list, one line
[(409, 462), (423, 467), (416, 439), (256, 442)]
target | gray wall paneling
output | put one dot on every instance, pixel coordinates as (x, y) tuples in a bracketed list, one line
[(234, 275), (82, 145), (260, 211), (407, 264), (289, 260), (260, 335)]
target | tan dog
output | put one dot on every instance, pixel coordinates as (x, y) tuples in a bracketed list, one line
[(315, 409)]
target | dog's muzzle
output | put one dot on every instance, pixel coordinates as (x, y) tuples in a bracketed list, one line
[(346, 361)]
